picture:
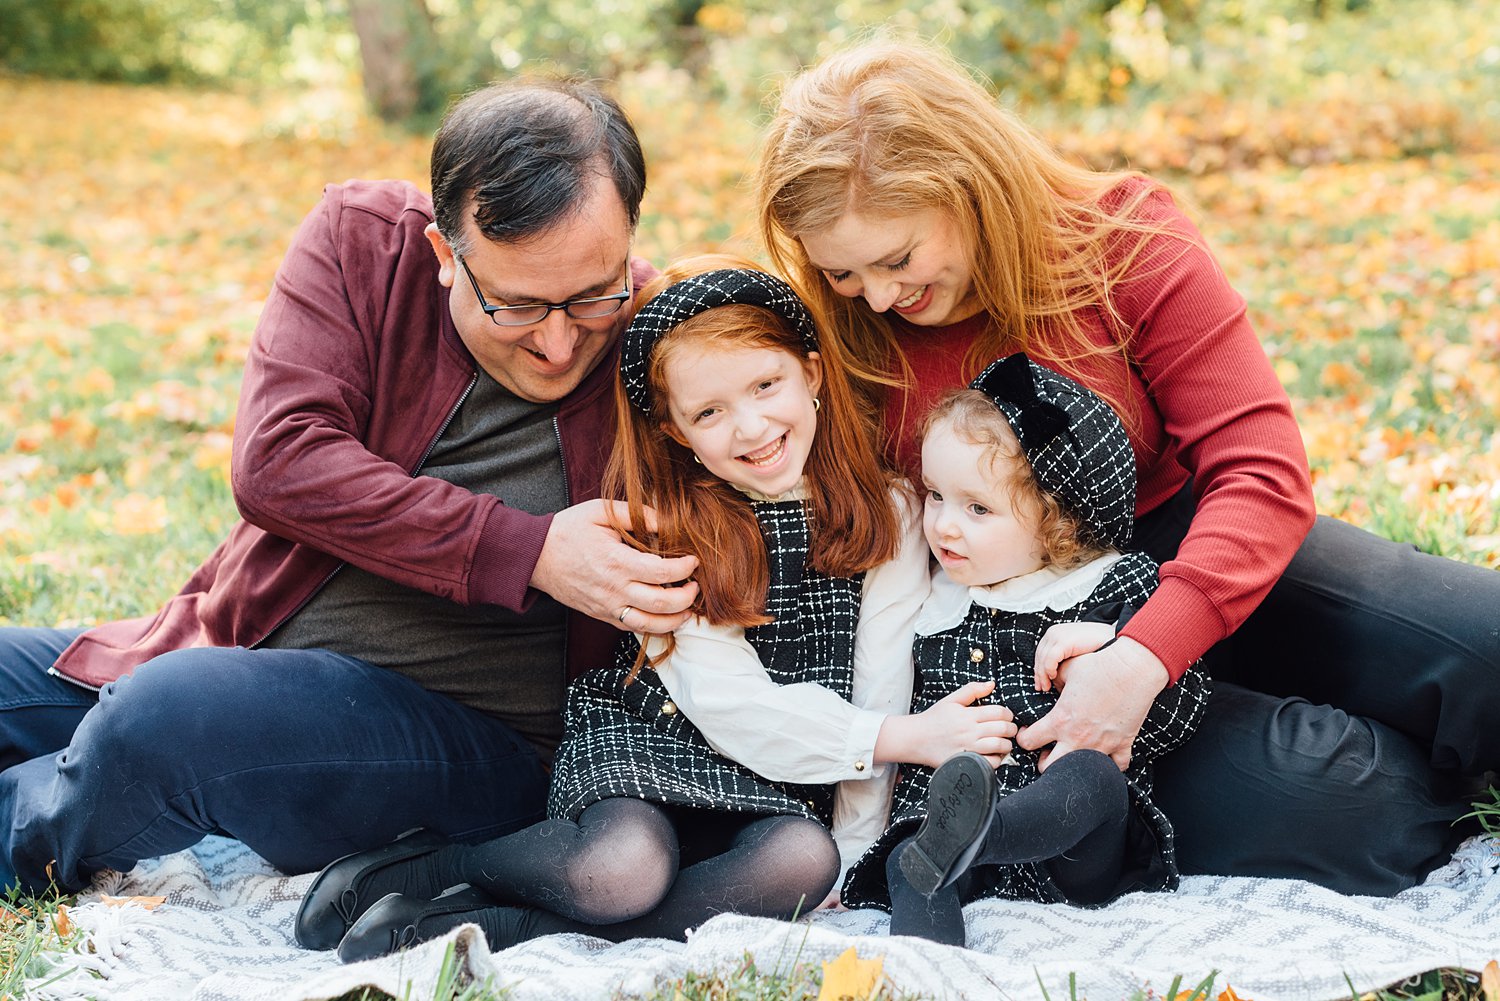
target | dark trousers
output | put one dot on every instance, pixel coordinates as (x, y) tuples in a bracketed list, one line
[(1352, 717), (303, 755)]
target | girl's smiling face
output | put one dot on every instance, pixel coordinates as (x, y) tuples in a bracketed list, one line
[(916, 264), (748, 413)]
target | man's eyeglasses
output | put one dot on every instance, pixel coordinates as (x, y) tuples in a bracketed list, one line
[(588, 308)]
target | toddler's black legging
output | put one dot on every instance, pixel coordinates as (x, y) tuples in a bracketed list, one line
[(632, 869), (1072, 818)]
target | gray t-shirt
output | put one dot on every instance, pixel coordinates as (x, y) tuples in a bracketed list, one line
[(497, 661)]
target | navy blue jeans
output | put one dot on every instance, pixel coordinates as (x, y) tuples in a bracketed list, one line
[(1352, 717), (302, 755)]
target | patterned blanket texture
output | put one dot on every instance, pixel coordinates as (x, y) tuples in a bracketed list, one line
[(224, 933)]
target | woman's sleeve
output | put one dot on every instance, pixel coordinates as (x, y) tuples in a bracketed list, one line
[(805, 732), (1232, 424)]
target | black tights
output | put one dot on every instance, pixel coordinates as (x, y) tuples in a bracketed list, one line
[(632, 869), (1072, 818)]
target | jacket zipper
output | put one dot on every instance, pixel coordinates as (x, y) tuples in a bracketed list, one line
[(415, 469)]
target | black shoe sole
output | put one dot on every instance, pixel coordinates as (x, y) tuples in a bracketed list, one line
[(960, 809)]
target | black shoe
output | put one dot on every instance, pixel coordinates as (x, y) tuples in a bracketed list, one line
[(395, 922), (960, 808), (336, 899)]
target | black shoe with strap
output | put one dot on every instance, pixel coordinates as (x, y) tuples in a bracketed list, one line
[(394, 922), (337, 897)]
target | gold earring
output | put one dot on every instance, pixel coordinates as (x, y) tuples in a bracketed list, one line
[(817, 404), (696, 459)]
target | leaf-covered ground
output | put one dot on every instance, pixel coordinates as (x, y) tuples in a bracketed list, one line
[(140, 228)]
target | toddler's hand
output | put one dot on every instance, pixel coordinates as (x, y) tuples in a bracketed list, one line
[(1064, 640), (954, 724)]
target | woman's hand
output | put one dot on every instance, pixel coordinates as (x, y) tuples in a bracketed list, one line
[(1102, 699), (947, 728)]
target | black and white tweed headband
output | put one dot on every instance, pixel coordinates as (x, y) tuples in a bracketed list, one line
[(1075, 443), (698, 294)]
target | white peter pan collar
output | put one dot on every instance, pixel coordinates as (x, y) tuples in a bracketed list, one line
[(948, 603), (798, 492)]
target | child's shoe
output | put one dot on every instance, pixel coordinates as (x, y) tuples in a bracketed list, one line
[(960, 809)]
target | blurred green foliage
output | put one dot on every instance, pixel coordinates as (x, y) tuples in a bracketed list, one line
[(1085, 53)]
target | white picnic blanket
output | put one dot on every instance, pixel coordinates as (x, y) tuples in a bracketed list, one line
[(225, 934)]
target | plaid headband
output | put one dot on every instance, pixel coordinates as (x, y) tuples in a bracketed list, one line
[(698, 294), (1076, 445)]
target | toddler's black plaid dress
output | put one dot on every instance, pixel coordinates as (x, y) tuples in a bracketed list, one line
[(630, 740), (1001, 645)]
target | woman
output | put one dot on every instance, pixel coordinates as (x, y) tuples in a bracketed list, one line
[(931, 231)]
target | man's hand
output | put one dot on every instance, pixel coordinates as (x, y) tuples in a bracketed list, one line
[(586, 565), (1102, 699)]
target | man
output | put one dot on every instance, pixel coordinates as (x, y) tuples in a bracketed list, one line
[(383, 641)]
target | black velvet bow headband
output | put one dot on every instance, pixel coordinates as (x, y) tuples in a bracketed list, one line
[(1075, 443), (700, 293)]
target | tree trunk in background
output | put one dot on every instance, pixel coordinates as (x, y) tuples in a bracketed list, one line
[(396, 48)]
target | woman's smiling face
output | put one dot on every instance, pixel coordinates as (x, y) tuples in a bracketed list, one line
[(917, 265), (748, 413)]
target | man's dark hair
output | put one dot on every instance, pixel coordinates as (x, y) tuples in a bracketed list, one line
[(526, 153)]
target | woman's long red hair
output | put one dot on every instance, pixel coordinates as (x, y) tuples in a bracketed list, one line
[(849, 494)]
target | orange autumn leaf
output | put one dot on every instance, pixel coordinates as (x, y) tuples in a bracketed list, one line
[(149, 903), (1339, 375), (850, 978), (61, 922), (30, 438), (1227, 994)]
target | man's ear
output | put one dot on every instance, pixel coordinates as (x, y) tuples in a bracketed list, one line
[(447, 262)]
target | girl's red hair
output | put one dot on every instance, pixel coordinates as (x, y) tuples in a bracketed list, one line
[(849, 494)]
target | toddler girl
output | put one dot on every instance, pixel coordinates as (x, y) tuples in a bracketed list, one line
[(1030, 484)]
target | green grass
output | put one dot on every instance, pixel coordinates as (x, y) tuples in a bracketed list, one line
[(30, 940)]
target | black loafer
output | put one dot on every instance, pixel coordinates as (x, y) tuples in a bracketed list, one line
[(395, 922), (960, 808), (335, 899)]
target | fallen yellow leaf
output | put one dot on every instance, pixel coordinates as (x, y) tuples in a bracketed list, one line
[(138, 514), (1489, 981), (149, 903), (61, 923), (850, 978)]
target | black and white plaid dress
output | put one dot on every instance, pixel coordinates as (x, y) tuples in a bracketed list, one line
[(631, 740), (1001, 645)]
